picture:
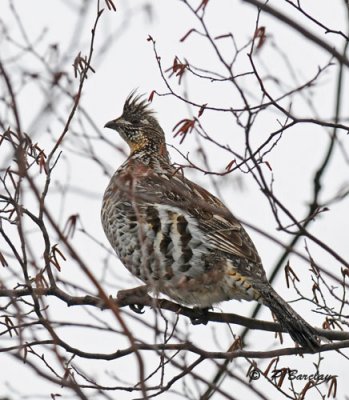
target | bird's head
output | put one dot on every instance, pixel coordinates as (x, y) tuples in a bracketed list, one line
[(138, 126)]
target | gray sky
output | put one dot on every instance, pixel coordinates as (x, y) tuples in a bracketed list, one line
[(130, 63)]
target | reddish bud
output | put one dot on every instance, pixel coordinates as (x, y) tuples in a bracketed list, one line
[(184, 126), (202, 5), (110, 5), (260, 35), (202, 109), (268, 165), (151, 96), (229, 166)]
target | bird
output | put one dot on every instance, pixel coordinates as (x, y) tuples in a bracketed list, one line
[(178, 238)]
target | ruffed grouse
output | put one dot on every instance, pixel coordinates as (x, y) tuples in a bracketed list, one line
[(178, 238)]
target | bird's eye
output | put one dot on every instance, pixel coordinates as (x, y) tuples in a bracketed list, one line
[(134, 119)]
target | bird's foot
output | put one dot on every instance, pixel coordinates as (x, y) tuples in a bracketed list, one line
[(134, 298), (201, 316)]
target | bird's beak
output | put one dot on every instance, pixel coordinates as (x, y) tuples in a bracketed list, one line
[(115, 123), (111, 124)]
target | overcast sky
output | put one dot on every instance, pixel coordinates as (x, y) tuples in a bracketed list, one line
[(125, 60)]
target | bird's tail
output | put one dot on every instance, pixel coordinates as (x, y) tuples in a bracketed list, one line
[(300, 331)]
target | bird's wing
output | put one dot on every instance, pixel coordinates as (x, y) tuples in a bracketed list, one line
[(220, 229)]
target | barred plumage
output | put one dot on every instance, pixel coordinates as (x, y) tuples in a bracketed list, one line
[(178, 238)]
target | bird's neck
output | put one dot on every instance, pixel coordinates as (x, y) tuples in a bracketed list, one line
[(152, 156), (151, 153)]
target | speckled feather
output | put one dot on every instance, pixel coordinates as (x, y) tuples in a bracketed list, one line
[(177, 237)]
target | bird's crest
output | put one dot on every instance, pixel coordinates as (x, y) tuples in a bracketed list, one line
[(136, 107)]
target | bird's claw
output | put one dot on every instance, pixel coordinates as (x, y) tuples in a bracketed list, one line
[(137, 308), (130, 296), (201, 316)]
